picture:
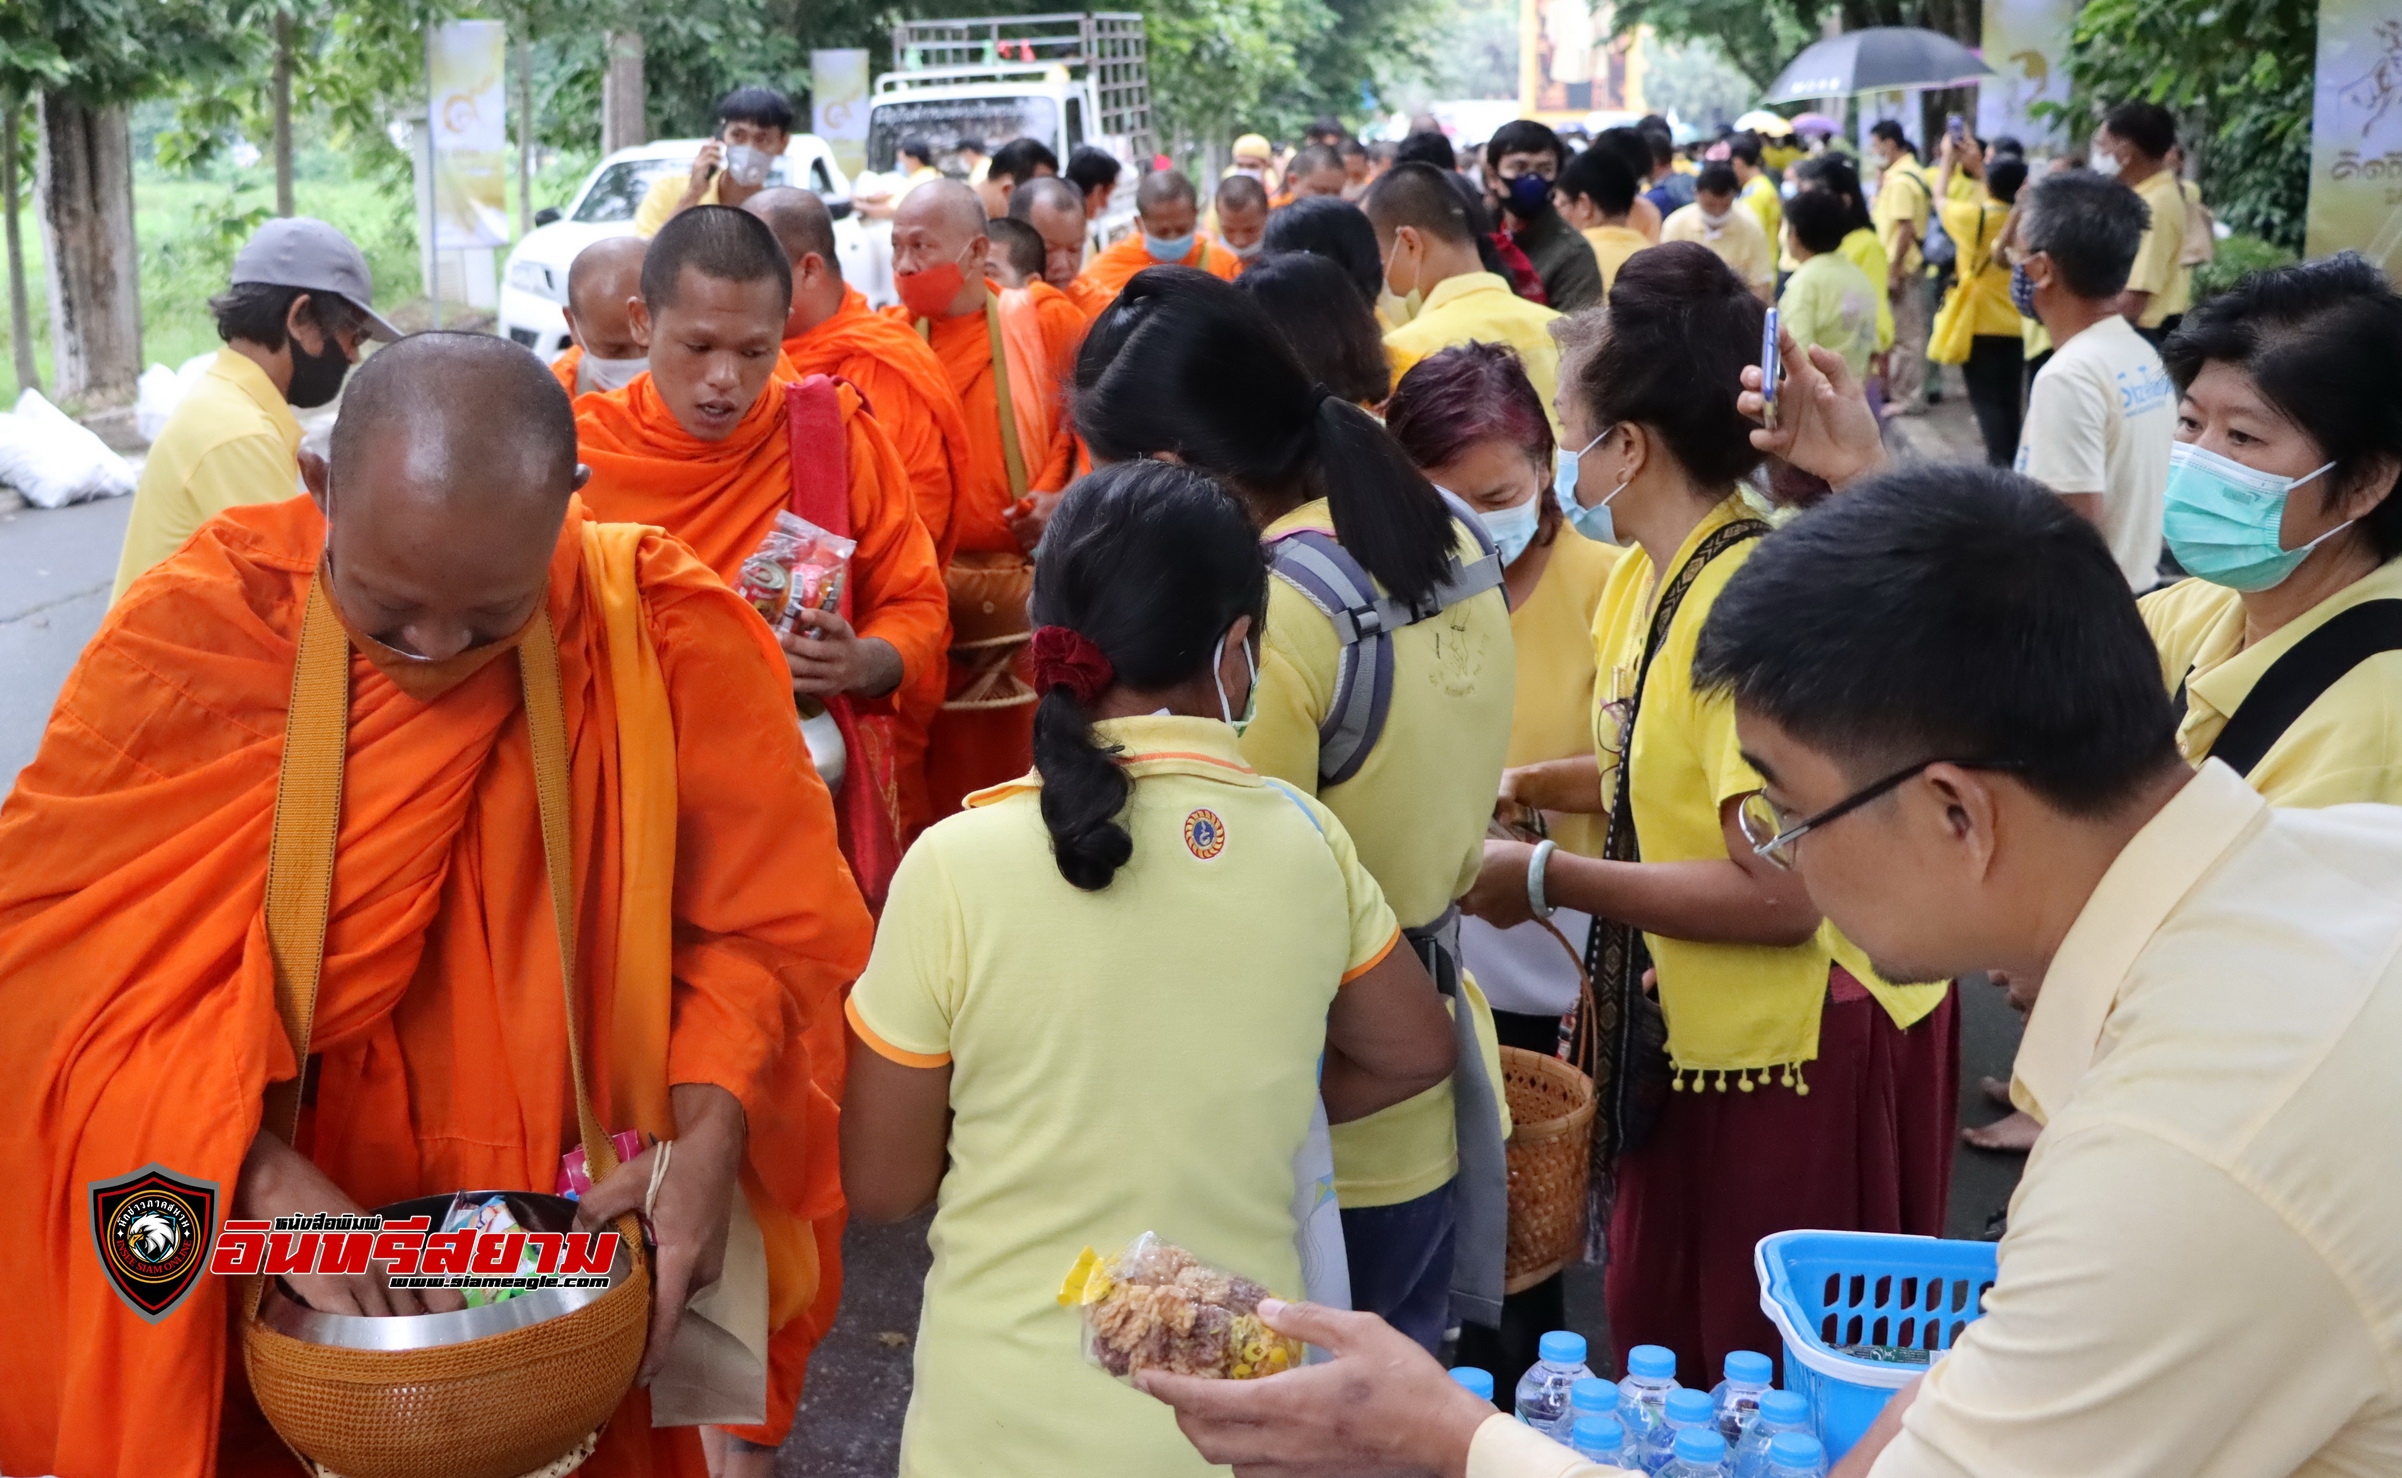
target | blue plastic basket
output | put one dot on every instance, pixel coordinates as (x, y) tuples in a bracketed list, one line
[(1824, 1289)]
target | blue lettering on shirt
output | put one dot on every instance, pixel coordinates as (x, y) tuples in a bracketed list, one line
[(2142, 389)]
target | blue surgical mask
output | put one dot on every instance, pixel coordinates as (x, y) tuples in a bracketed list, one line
[(1168, 250), (1594, 523), (2022, 290), (1512, 529), (2222, 519), (1217, 663)]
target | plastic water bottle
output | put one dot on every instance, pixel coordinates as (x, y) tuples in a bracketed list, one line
[(1699, 1453), (1687, 1411), (1748, 1377), (1542, 1399), (1599, 1439), (1780, 1412), (1590, 1397), (1478, 1382), (1796, 1455), (1643, 1404)]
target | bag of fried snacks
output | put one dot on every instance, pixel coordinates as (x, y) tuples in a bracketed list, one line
[(797, 567), (1155, 1306)]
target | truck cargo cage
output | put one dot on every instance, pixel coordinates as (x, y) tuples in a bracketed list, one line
[(1109, 46)]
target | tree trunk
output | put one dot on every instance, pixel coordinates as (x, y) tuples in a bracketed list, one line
[(282, 94), (525, 135), (85, 182), (622, 123), (20, 327)]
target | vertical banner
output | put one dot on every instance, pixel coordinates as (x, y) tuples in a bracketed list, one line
[(466, 118), (2356, 134), (838, 105), (2026, 44)]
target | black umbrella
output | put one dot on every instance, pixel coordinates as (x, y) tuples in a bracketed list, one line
[(1879, 59)]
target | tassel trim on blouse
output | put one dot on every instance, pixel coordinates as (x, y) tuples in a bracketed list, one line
[(1699, 1079)]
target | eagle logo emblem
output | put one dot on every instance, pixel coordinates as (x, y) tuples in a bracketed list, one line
[(152, 1230)]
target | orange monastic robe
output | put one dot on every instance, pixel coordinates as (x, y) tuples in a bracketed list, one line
[(1110, 271), (1041, 331), (564, 368), (908, 392), (139, 995), (1088, 297), (722, 498)]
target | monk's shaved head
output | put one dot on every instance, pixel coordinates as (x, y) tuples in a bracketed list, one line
[(451, 467), (1164, 187), (716, 241), (800, 221), (1055, 209), (1418, 195), (1241, 192), (604, 278), (945, 207), (1047, 191)]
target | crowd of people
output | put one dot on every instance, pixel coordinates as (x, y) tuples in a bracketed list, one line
[(1374, 614)]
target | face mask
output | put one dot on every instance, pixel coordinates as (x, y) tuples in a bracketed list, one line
[(1594, 523), (747, 166), (1512, 529), (1256, 171), (1715, 222), (1249, 253), (1217, 663), (1530, 196), (605, 375), (929, 292), (2104, 164), (2222, 519), (316, 378), (2022, 290), (1168, 250), (1398, 308)]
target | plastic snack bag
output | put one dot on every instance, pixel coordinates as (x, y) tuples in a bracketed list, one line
[(797, 567), (488, 1212), (1157, 1307)]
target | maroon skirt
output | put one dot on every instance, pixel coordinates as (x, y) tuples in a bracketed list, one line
[(1867, 1149)]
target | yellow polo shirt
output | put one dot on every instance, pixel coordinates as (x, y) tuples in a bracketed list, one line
[(1551, 715), (1904, 193), (2202, 1274), (1612, 245), (660, 200), (1417, 809), (2159, 268), (1478, 307), (1144, 1058), (2345, 747), (1981, 285), (1864, 251), (232, 441), (1766, 204)]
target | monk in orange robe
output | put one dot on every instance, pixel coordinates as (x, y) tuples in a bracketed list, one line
[(602, 283), (1171, 236), (1055, 209), (1024, 452), (1242, 210), (702, 446), (832, 331), (714, 926)]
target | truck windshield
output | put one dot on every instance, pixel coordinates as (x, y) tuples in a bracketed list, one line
[(943, 122), (618, 190)]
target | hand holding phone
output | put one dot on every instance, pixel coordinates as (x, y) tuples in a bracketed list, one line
[(1770, 367)]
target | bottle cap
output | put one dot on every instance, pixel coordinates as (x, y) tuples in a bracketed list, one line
[(1704, 1445), (1785, 1408), (1593, 1394), (1478, 1382), (1651, 1362), (1749, 1368), (1560, 1347), (1598, 1434), (1690, 1406), (1795, 1450)]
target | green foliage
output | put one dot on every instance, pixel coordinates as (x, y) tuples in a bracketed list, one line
[(115, 51), (2238, 75), (1694, 80), (2236, 257), (1757, 36)]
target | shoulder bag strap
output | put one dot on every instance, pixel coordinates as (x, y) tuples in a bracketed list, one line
[(2296, 680), (820, 457), (1011, 453)]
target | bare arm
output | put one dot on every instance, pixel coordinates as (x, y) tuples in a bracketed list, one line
[(2131, 304), (1571, 786), (896, 1135), (2087, 506), (1388, 1038), (1741, 899)]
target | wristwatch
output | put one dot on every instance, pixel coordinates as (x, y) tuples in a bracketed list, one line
[(1536, 867)]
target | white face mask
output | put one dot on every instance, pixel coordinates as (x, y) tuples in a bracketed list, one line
[(1217, 666), (747, 166), (1715, 219), (604, 375), (2104, 164)]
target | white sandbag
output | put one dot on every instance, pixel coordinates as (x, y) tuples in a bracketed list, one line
[(53, 461), (161, 390)]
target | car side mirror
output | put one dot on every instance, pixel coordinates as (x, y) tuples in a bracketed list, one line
[(546, 215)]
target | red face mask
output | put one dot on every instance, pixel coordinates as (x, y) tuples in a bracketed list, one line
[(929, 292)]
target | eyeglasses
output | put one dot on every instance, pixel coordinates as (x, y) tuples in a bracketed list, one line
[(1772, 832)]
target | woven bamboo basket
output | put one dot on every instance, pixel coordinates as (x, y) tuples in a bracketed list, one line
[(1551, 1105)]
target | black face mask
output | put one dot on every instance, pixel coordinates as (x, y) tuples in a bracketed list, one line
[(317, 378)]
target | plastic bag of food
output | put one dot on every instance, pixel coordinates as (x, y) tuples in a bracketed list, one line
[(487, 1213), (1155, 1306), (797, 567)]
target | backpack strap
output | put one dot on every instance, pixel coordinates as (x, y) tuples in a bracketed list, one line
[(1323, 572), (2299, 678)]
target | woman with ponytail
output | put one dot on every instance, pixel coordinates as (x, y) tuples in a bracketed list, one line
[(1102, 994), (1186, 368)]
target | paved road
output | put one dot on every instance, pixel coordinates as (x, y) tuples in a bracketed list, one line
[(56, 565)]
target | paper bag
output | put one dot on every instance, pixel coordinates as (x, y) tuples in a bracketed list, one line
[(716, 1371)]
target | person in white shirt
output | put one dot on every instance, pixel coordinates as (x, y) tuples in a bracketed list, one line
[(2102, 412), (1716, 221)]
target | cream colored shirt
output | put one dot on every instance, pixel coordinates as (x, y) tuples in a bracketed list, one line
[(2203, 1272), (1505, 1447), (232, 440), (1737, 239)]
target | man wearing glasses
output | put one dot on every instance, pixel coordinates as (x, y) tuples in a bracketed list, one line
[(1970, 763), (1523, 160)]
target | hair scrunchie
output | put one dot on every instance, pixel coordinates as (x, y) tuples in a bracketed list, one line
[(1066, 658)]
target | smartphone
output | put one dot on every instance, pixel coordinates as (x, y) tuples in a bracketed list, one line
[(1957, 127), (1771, 367)]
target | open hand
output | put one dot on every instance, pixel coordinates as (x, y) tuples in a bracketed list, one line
[(689, 1218), (1823, 423), (278, 1180)]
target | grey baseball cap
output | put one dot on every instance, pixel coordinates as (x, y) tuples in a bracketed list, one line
[(299, 251)]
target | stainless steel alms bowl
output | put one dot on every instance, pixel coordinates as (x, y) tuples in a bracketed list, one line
[(287, 1315)]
